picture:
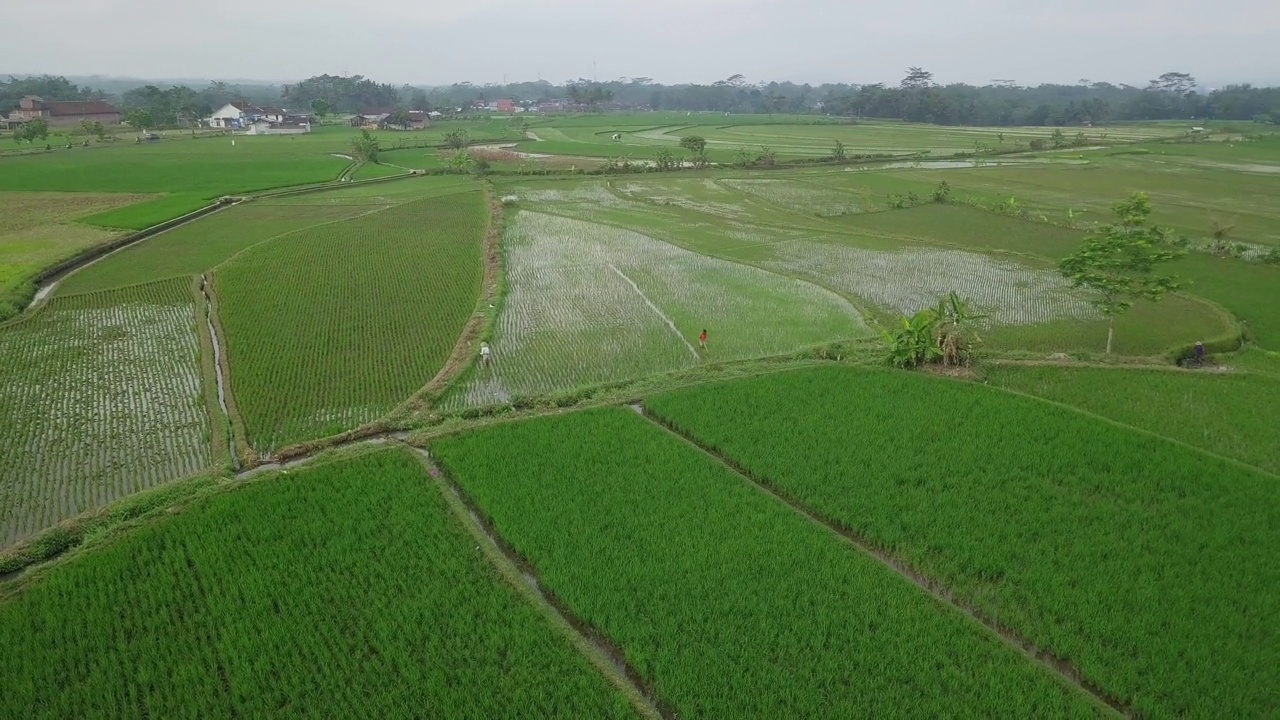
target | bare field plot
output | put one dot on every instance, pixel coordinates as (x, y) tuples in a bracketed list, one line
[(101, 397)]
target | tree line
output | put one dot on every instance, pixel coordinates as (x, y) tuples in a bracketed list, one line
[(916, 98)]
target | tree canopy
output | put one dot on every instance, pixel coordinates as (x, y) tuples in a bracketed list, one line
[(1118, 261), (343, 94), (1002, 102), (49, 87)]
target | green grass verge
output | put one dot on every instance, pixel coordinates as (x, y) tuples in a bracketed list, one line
[(143, 215), (1147, 564)]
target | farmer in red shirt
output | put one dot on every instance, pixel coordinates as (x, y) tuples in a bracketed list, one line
[(702, 339)]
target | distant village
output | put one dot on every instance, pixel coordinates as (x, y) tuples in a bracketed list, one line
[(249, 119)]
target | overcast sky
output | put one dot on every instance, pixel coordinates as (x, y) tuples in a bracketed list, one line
[(444, 41)]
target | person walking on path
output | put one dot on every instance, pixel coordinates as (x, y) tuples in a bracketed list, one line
[(702, 339), (1199, 353), (484, 354)]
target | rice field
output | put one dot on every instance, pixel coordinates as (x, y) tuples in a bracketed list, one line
[(903, 281), (345, 590), (893, 261), (331, 327), (38, 229), (1121, 521), (798, 197), (197, 247), (1145, 563), (1228, 414), (723, 599), (101, 397), (641, 135), (589, 303)]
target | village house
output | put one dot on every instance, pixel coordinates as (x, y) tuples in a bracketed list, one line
[(380, 118), (290, 126), (60, 113), (237, 114)]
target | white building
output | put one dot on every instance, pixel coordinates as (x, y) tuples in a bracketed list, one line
[(266, 127), (240, 114), (234, 115)]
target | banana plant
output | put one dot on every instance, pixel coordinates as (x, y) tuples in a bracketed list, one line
[(912, 344)]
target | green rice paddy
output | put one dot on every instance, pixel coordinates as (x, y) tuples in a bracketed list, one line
[(1053, 532)]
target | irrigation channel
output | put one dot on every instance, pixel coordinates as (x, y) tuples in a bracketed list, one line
[(217, 369), (596, 647), (942, 593), (48, 280)]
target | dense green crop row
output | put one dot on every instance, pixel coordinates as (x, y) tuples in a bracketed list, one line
[(100, 396), (1149, 565), (1231, 414), (330, 328), (347, 590), (728, 602), (196, 247)]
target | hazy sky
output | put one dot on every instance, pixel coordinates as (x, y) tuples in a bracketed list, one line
[(438, 41)]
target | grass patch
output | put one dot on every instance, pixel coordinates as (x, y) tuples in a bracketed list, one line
[(1249, 290), (1148, 329), (971, 229), (37, 230)]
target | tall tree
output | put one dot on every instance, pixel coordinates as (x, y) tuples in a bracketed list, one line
[(916, 79), (139, 119), (1177, 83), (1118, 262)]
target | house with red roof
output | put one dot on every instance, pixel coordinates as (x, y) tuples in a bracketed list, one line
[(64, 113)]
